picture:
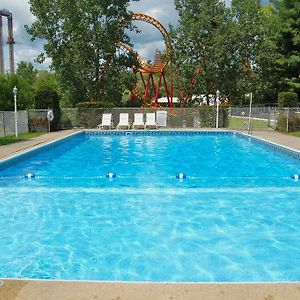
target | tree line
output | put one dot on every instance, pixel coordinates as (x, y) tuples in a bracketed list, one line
[(36, 88), (237, 49)]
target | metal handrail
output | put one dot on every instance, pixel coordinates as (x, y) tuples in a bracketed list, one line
[(249, 129)]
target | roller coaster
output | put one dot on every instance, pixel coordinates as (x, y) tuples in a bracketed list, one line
[(148, 70)]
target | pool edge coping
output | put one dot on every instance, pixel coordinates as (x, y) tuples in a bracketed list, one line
[(151, 282)]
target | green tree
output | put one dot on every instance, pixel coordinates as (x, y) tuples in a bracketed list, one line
[(47, 98), (227, 43), (267, 86), (26, 71), (81, 38), (288, 99), (202, 39), (247, 18), (24, 96), (46, 80), (288, 44)]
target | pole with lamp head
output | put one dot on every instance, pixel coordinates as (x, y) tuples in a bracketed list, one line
[(218, 102), (15, 91)]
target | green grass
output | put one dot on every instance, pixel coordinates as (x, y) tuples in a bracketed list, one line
[(22, 137), (295, 133), (238, 123)]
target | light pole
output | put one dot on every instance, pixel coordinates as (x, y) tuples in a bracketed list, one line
[(250, 112), (15, 91), (218, 100)]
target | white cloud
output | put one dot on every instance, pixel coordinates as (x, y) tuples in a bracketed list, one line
[(146, 42), (24, 48), (163, 11), (150, 39), (147, 50)]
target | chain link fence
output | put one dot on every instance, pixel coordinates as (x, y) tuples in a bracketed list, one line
[(288, 119), (7, 122), (176, 117), (197, 117), (37, 120), (282, 119), (262, 118)]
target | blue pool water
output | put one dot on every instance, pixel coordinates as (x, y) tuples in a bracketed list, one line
[(234, 218)]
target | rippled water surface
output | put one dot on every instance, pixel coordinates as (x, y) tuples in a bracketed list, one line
[(234, 218)]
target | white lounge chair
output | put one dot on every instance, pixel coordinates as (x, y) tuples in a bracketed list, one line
[(123, 121), (150, 120), (106, 122), (138, 121), (161, 118)]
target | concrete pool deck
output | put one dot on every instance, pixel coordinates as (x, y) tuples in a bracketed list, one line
[(72, 290), (279, 138), (19, 147), (56, 290)]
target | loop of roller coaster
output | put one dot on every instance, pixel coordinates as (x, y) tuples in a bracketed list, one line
[(159, 64)]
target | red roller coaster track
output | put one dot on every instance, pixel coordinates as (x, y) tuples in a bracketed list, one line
[(147, 70), (158, 67)]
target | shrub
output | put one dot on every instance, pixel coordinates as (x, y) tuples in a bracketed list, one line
[(294, 123), (287, 99), (223, 116), (89, 113), (37, 124), (208, 115), (95, 104), (65, 121), (49, 98), (89, 117)]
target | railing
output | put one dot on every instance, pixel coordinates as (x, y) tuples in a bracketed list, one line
[(247, 126)]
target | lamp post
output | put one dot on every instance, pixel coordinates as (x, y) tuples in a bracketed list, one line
[(250, 112), (218, 101), (15, 91)]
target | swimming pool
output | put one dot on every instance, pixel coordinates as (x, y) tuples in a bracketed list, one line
[(234, 218)]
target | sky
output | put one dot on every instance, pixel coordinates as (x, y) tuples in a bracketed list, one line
[(145, 43)]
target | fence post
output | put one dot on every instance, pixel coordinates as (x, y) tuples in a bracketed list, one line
[(3, 119), (250, 112), (218, 103), (287, 119)]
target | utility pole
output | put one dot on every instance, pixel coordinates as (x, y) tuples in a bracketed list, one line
[(10, 41), (1, 47)]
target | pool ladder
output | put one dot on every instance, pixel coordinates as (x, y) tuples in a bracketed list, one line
[(248, 127)]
